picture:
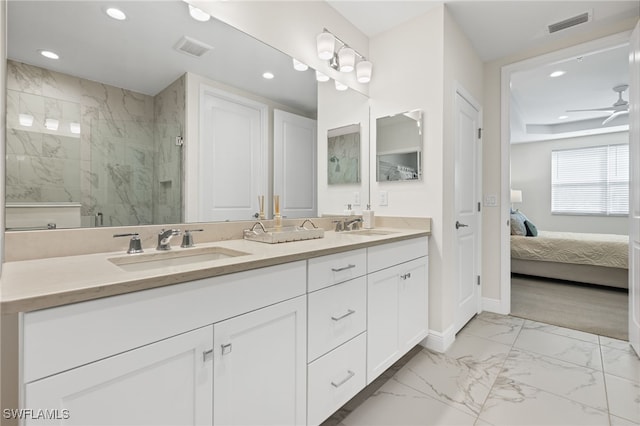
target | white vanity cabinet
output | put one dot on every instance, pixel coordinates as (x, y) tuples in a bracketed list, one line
[(260, 366), (156, 356), (168, 382), (397, 302)]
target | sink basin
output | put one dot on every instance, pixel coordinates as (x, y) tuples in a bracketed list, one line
[(150, 261), (370, 232)]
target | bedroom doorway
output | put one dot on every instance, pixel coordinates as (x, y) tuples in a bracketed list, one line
[(512, 128)]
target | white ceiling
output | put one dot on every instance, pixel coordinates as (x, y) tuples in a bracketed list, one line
[(138, 53)]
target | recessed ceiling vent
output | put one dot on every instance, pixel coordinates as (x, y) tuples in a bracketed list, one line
[(192, 47), (571, 22)]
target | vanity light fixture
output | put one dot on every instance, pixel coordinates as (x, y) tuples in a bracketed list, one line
[(49, 54), (343, 57), (51, 124), (268, 75), (198, 14), (74, 128), (25, 120), (116, 14), (321, 77), (299, 66), (341, 86)]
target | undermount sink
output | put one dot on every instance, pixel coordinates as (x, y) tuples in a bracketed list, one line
[(370, 232), (150, 261)]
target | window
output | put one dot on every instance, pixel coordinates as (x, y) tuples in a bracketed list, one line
[(592, 181)]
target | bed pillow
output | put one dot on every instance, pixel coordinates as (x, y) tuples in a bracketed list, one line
[(517, 223), (532, 231)]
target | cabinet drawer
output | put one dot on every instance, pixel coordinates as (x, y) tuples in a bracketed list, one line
[(336, 314), (336, 268), (387, 255), (335, 378)]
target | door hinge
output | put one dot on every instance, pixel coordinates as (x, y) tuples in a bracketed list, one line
[(479, 206), (478, 280), (479, 133)]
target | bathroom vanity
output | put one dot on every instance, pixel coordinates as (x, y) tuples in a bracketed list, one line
[(273, 334)]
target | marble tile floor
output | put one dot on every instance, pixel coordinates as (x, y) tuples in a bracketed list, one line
[(503, 370)]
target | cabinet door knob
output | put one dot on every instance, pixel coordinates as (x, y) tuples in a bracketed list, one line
[(226, 349), (349, 312), (406, 276), (344, 268), (350, 374)]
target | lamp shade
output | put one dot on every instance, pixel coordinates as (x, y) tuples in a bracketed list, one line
[(341, 86), (363, 71), (299, 66), (326, 44), (346, 59), (321, 76), (516, 196)]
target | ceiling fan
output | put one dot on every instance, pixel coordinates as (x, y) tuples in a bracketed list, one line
[(620, 107)]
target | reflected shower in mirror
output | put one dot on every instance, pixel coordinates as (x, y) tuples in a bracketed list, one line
[(399, 147), (102, 127), (343, 150)]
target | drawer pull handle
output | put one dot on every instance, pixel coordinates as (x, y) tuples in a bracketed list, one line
[(350, 374), (344, 268), (349, 312), (405, 276), (207, 354), (226, 349)]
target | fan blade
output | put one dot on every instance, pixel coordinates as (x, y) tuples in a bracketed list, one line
[(614, 115), (593, 109)]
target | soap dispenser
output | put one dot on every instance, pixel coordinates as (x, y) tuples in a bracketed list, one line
[(348, 211), (367, 218)]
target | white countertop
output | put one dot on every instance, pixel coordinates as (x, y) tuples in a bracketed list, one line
[(30, 285)]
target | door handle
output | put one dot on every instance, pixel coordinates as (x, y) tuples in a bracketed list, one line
[(460, 225)]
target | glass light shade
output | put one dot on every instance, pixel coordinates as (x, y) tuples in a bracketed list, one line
[(347, 59), (321, 77), (74, 128), (363, 71), (299, 66), (198, 14), (341, 86), (25, 120), (326, 43)]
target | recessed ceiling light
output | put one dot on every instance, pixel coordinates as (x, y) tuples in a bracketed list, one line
[(557, 73), (563, 117), (49, 54), (268, 75), (198, 14), (116, 14)]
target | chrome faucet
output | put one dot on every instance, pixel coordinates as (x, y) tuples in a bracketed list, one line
[(350, 224), (164, 237)]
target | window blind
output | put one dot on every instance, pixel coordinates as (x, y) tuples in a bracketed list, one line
[(591, 181)]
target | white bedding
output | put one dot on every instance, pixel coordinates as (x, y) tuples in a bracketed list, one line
[(568, 247)]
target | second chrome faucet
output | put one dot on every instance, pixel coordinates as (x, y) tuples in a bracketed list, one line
[(164, 238)]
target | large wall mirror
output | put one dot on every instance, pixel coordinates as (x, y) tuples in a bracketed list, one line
[(399, 143), (100, 130)]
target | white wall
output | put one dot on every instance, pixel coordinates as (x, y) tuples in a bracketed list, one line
[(337, 109), (492, 222), (531, 173)]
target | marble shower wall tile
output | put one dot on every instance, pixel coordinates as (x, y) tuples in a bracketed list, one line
[(109, 168)]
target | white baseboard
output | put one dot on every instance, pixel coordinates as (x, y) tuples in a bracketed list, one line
[(439, 341), (494, 305)]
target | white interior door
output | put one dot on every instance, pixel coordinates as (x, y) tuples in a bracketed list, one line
[(634, 195), (467, 228), (294, 164), (232, 152)]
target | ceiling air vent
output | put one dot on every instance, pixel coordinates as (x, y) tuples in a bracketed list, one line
[(571, 22), (192, 47)]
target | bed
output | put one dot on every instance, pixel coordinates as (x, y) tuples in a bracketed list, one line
[(587, 258)]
